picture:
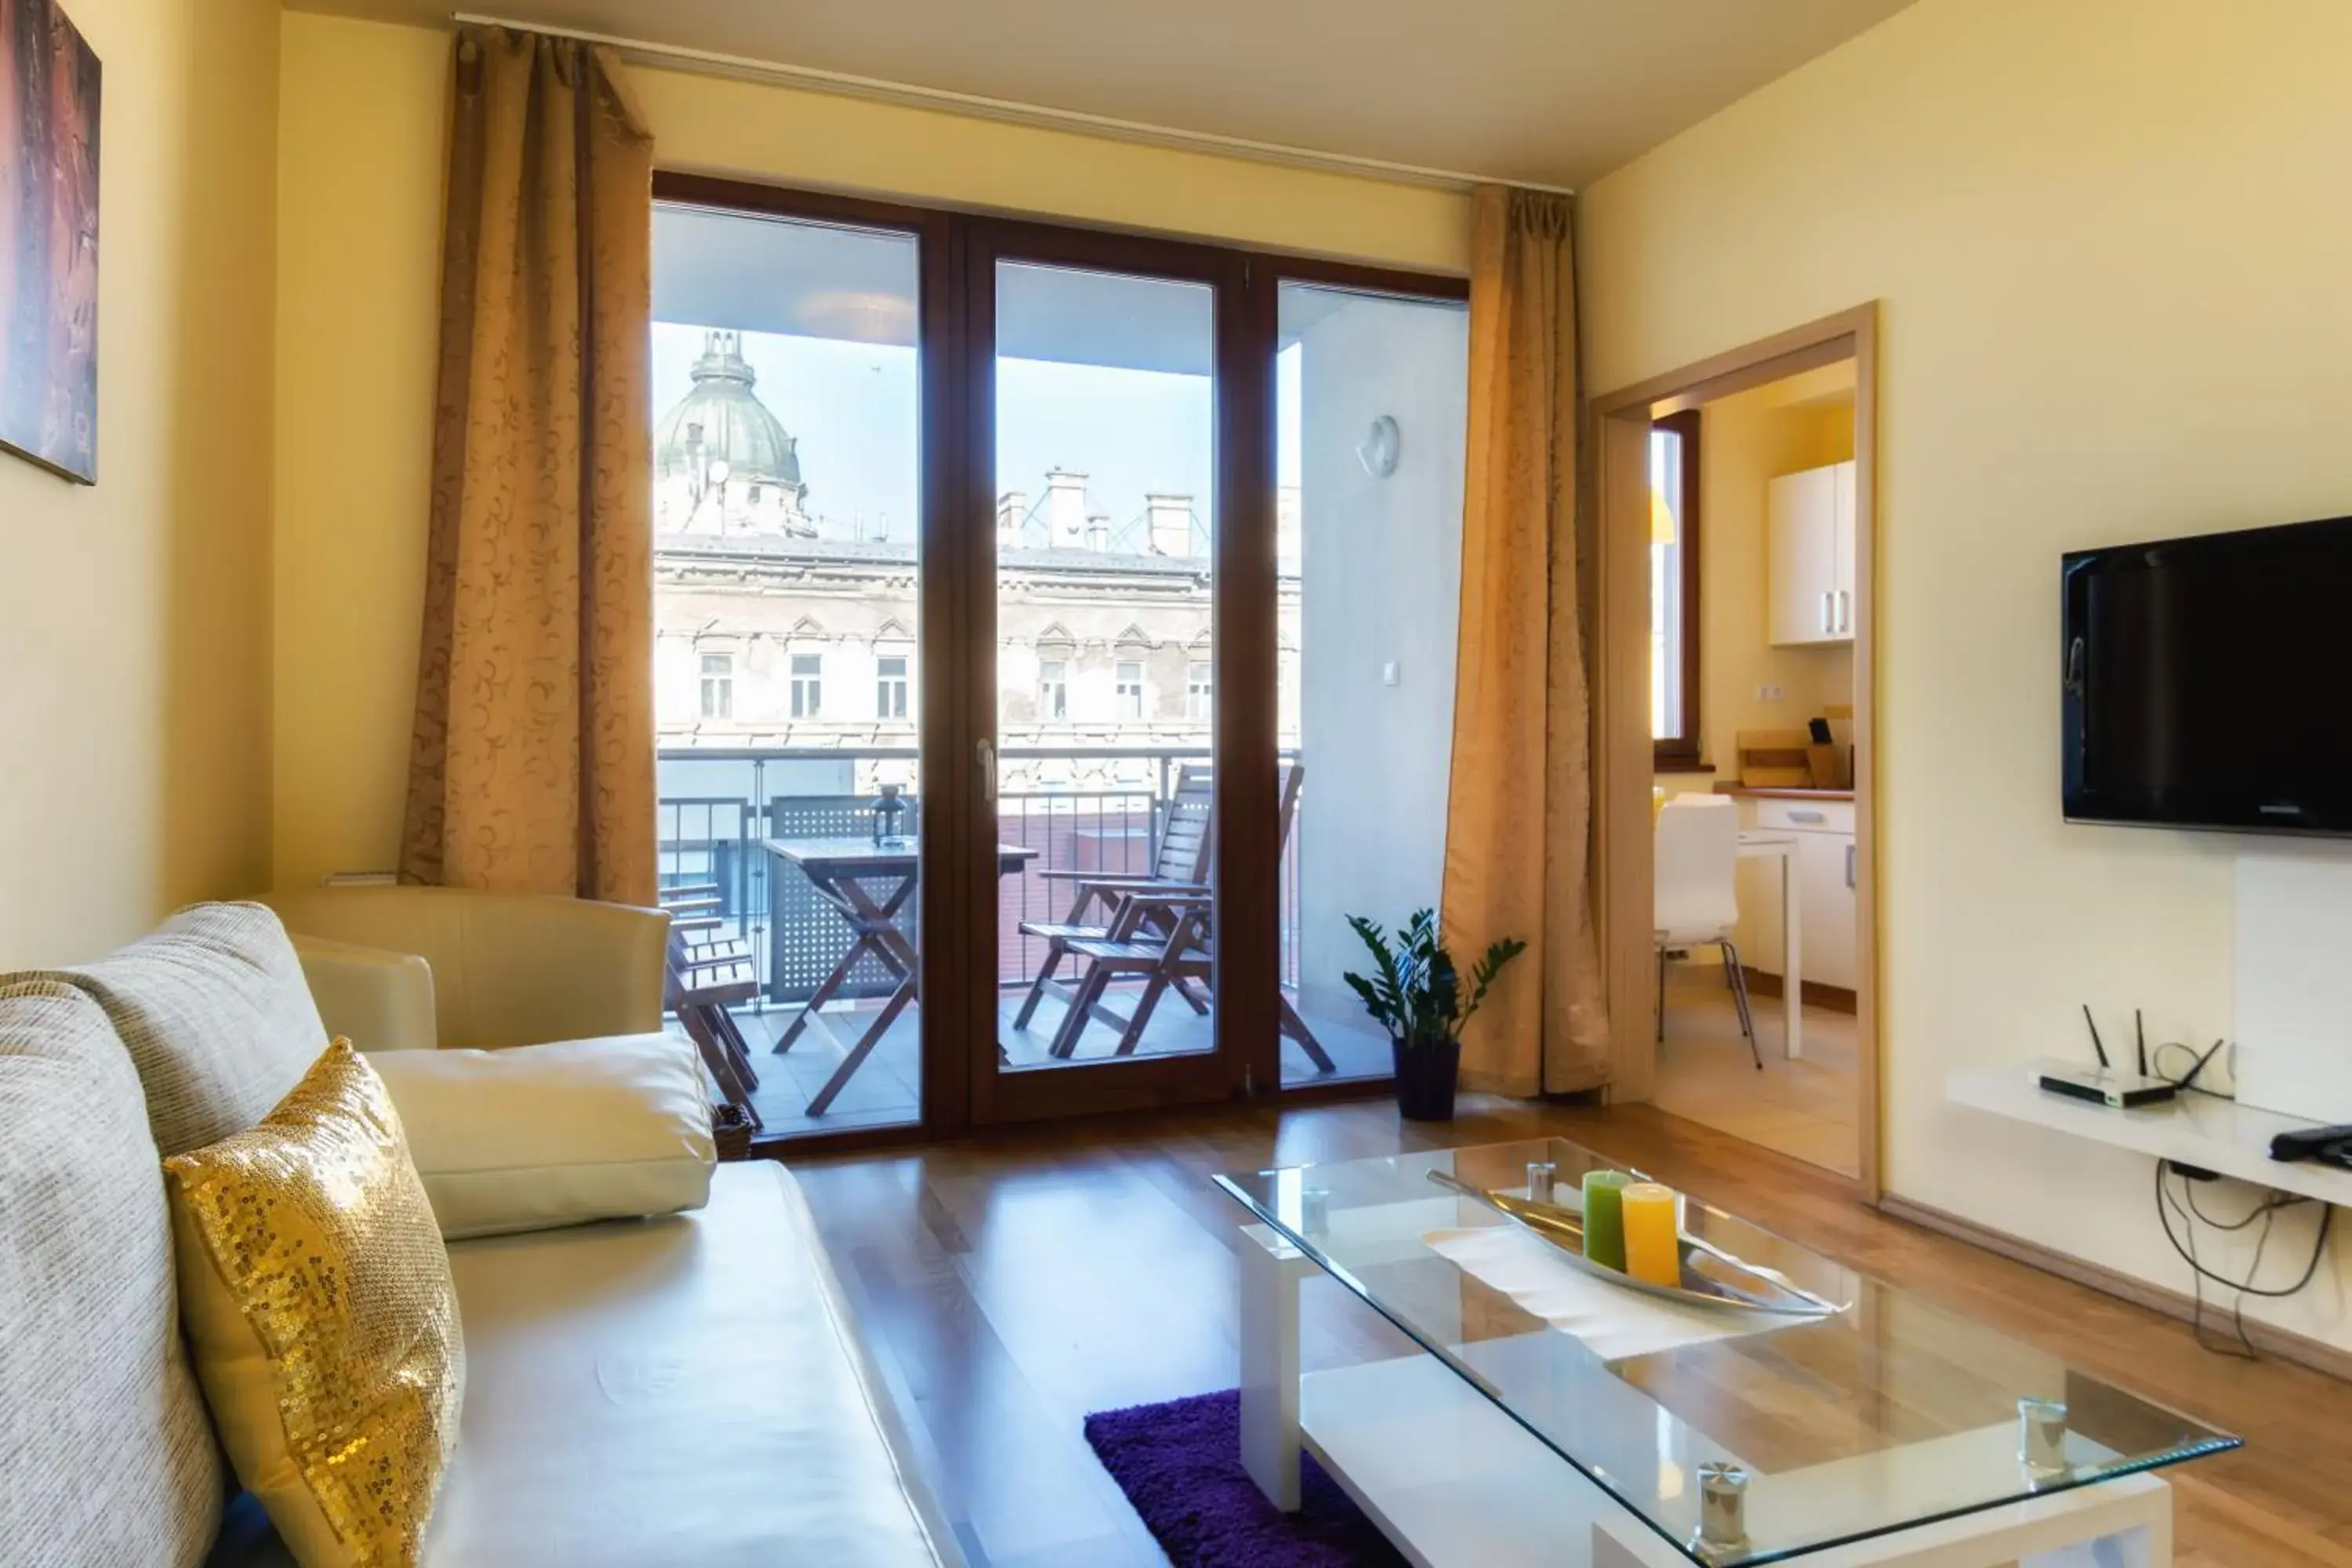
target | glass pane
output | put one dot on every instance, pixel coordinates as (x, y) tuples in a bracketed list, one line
[(1885, 1413), (785, 456), (1667, 539), (1370, 417), (1106, 462)]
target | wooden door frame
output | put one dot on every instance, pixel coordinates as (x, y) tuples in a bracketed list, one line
[(1242, 611), (957, 595), (1623, 753)]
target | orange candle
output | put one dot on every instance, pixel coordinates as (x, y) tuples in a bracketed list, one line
[(1652, 1250)]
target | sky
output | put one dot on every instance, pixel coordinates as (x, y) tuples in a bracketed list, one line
[(854, 409)]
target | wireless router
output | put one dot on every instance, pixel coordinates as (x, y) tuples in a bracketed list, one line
[(2105, 1085)]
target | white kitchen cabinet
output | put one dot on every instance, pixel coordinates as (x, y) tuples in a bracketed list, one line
[(1825, 903), (1809, 571), (1823, 867)]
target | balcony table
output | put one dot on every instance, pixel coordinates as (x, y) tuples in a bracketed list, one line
[(867, 883)]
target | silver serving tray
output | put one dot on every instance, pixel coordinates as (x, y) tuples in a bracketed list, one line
[(1711, 1276)]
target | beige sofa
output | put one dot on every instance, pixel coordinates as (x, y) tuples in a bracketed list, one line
[(688, 1389)]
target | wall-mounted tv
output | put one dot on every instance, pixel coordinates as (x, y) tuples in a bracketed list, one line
[(2208, 681)]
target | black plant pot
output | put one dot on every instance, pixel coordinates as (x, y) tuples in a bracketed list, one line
[(1424, 1078)]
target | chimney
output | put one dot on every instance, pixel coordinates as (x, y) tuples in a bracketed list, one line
[(1012, 508), (1098, 533), (1171, 523), (1065, 508)]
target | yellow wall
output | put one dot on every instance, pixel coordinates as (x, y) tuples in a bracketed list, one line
[(359, 263), (2112, 248), (1744, 442), (134, 617), (363, 108)]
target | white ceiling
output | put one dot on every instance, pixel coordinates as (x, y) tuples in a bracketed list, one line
[(1544, 91)]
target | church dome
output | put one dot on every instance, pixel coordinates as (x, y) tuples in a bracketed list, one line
[(722, 419)]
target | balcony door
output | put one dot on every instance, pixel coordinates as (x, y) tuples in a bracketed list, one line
[(1006, 576), (1110, 441)]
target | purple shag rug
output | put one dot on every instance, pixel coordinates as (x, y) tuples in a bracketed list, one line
[(1181, 1465)]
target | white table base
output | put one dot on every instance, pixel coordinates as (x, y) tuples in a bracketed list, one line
[(1454, 1482), (1766, 844)]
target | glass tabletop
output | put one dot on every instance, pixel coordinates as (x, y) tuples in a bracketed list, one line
[(1880, 1413)]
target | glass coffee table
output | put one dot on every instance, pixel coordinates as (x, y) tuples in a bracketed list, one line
[(1558, 1418)]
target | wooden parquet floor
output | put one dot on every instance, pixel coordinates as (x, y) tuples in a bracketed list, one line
[(1009, 1285)]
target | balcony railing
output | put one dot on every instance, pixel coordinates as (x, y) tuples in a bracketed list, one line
[(1082, 809)]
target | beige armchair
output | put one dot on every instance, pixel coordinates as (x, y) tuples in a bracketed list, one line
[(416, 968)]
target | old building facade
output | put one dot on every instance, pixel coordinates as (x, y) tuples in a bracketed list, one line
[(777, 629)]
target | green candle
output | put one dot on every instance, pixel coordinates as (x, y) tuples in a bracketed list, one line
[(1605, 1217)]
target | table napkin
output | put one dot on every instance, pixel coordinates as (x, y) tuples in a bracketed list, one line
[(1615, 1324)]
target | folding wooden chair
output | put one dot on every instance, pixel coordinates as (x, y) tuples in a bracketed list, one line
[(1161, 932), (1179, 864), (707, 973)]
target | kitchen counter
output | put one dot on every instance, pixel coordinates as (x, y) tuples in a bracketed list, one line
[(1790, 793)]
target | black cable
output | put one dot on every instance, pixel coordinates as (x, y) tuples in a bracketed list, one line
[(2196, 1059), (2266, 1211), (2318, 1250), (2270, 1202)]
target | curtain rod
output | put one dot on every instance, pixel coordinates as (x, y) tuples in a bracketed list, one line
[(841, 84)]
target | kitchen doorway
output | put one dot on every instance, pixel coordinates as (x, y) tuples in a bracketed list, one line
[(1735, 726)]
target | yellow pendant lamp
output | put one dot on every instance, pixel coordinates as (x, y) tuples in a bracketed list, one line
[(1662, 518)]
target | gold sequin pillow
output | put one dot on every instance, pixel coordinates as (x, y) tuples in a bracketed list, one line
[(316, 1291)]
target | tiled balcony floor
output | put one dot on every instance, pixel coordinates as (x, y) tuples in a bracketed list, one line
[(883, 1093)]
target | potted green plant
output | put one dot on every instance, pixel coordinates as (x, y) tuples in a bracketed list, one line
[(1417, 996)]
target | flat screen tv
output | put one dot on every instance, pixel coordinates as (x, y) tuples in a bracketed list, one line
[(2208, 681)]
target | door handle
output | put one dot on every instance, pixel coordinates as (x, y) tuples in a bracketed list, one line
[(1849, 866), (986, 751), (1807, 816), (1844, 611), (1829, 622)]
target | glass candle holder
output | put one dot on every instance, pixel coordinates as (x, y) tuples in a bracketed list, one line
[(2041, 1437), (1605, 1217), (1722, 1511), (1653, 1241)]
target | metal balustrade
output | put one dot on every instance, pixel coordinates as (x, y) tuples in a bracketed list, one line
[(717, 806)]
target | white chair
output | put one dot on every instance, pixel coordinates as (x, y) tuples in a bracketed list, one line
[(1697, 901)]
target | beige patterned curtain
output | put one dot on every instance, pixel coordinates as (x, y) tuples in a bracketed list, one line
[(1519, 816), (532, 768)]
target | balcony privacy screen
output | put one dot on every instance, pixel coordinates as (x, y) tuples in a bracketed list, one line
[(806, 936)]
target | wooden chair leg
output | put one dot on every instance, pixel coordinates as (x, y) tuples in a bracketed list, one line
[(739, 1049), (1082, 1007), (714, 1056), (1295, 1028), (1133, 1035), (1199, 1002), (1055, 952)]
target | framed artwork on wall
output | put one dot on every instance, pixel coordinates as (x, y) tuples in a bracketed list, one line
[(48, 239)]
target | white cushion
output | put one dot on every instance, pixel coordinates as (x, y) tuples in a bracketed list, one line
[(537, 1136)]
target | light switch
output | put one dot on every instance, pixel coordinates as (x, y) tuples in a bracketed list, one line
[(1389, 673), (1770, 693)]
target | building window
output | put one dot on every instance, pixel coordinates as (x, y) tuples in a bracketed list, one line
[(891, 686), (718, 686), (1674, 590), (808, 685), (1129, 687), (1197, 687), (1053, 689)]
